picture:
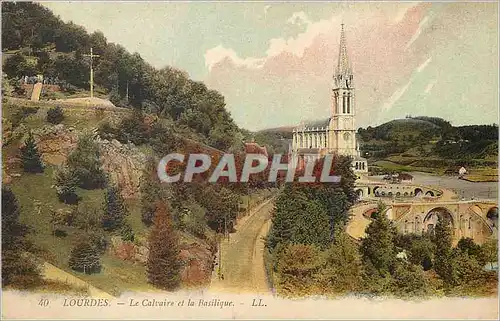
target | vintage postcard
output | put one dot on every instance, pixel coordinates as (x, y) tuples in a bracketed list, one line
[(249, 160)]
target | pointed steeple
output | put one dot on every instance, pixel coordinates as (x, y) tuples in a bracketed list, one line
[(344, 70), (343, 67)]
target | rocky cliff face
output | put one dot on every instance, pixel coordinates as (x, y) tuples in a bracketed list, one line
[(123, 162)]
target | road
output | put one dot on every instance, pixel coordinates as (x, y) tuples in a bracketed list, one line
[(357, 223), (242, 257)]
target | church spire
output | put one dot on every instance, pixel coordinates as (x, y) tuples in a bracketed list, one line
[(343, 75), (343, 67)]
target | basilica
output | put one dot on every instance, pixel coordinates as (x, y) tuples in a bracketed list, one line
[(337, 133)]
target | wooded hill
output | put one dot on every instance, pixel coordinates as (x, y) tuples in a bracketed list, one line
[(35, 41)]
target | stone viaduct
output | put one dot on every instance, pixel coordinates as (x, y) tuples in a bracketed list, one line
[(372, 189), (477, 219)]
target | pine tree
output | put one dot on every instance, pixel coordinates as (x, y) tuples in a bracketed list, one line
[(65, 184), (342, 271), (85, 163), (443, 255), (283, 218), (114, 210), (151, 191), (85, 257), (377, 248), (17, 267), (163, 265), (30, 157)]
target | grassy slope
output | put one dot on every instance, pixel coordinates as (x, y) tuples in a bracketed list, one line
[(37, 197)]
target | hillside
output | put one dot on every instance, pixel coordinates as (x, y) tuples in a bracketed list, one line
[(427, 144), (97, 189), (432, 145)]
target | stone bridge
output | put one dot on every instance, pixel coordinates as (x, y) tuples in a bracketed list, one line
[(403, 190), (477, 219)]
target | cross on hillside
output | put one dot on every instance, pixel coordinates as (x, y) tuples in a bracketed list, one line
[(91, 55)]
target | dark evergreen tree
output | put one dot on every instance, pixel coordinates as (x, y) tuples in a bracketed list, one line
[(163, 265), (377, 248), (18, 268), (30, 157), (85, 162), (85, 257), (468, 246), (114, 210), (151, 191), (66, 183), (443, 255), (342, 271)]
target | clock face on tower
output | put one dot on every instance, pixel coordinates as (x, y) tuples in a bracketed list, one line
[(346, 136)]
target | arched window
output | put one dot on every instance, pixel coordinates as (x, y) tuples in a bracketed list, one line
[(357, 166), (343, 103), (349, 103)]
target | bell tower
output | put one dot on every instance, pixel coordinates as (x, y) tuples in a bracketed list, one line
[(342, 125)]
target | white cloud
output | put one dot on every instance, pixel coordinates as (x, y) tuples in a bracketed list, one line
[(295, 45), (219, 53), (299, 18), (417, 33)]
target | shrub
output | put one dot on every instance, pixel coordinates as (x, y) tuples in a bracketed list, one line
[(21, 114), (194, 220), (85, 257), (55, 115), (409, 280), (298, 266), (106, 131)]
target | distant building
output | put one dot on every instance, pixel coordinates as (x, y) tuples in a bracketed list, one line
[(461, 172)]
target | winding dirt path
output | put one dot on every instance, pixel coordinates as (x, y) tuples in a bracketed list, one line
[(242, 257)]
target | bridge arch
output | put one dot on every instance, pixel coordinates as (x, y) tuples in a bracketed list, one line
[(359, 192), (429, 193), (492, 216), (432, 216), (417, 191), (375, 190)]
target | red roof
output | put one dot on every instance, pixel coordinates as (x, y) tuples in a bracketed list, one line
[(254, 148)]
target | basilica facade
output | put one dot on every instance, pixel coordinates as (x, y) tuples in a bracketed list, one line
[(337, 133)]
